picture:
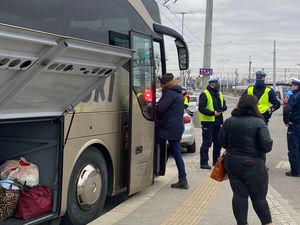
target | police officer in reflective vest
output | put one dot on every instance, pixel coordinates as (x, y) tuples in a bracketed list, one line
[(267, 99), (186, 98), (291, 118), (211, 108)]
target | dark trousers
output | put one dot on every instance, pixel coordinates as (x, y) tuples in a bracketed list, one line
[(175, 150), (248, 177), (293, 140), (210, 134)]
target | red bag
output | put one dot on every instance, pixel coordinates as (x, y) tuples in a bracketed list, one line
[(34, 202)]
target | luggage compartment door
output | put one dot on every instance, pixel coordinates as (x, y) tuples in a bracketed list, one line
[(46, 75)]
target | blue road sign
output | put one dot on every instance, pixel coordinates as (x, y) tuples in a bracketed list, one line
[(189, 84), (206, 71)]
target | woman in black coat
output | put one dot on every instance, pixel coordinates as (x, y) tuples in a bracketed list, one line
[(170, 109), (246, 138)]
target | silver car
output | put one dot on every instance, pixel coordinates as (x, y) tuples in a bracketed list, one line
[(193, 103), (188, 138)]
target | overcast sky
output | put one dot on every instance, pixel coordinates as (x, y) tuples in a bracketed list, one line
[(241, 29)]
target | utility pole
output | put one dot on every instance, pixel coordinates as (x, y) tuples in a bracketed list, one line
[(182, 77), (285, 75), (235, 81), (249, 76), (274, 67), (207, 41)]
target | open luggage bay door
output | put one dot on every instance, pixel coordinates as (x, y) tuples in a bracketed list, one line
[(46, 75)]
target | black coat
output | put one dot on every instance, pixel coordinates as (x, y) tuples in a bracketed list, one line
[(246, 134), (170, 109), (291, 113)]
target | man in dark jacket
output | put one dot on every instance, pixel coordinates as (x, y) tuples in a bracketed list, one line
[(267, 99), (291, 118), (211, 108), (170, 111)]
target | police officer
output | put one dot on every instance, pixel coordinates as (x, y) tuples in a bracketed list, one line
[(291, 118), (211, 108), (267, 99), (186, 98)]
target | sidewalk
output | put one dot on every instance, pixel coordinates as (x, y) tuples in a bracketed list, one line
[(206, 202)]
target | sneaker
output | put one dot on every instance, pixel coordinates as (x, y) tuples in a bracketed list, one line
[(289, 174), (206, 167), (180, 185)]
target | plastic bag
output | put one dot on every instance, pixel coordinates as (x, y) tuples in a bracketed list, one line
[(20, 170)]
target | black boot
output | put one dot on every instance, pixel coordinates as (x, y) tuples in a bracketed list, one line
[(181, 184)]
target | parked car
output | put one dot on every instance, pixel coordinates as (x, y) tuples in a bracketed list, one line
[(188, 138), (193, 104)]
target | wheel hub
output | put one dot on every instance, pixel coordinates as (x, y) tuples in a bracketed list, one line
[(88, 186)]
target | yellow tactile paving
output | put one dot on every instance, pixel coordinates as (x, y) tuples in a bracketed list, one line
[(193, 208)]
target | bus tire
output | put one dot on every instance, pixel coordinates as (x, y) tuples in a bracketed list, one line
[(85, 203), (191, 148)]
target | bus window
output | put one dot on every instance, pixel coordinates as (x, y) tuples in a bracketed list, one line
[(157, 60), (142, 73)]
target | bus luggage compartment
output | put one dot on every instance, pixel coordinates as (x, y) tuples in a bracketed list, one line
[(39, 142)]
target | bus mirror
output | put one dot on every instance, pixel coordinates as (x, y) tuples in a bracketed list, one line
[(183, 56)]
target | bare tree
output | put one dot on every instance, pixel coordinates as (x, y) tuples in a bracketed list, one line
[(168, 3)]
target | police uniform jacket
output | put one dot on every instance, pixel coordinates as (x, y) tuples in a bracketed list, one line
[(217, 107), (258, 92), (291, 113)]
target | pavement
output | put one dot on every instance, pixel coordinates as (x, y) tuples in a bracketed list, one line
[(206, 202)]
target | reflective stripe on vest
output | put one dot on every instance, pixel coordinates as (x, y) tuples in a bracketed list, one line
[(263, 104), (210, 106)]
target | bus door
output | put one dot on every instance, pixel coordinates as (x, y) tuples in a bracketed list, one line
[(142, 101)]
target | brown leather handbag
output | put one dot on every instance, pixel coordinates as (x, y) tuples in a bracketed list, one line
[(218, 173)]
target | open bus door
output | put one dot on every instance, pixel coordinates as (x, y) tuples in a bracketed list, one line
[(142, 101)]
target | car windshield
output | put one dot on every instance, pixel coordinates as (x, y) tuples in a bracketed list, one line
[(193, 99)]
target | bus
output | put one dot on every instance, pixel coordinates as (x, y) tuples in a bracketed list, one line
[(77, 98)]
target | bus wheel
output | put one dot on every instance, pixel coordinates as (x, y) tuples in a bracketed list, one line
[(87, 188)]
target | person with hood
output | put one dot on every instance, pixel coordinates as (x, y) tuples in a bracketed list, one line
[(246, 138), (211, 108), (291, 118), (170, 110), (267, 99)]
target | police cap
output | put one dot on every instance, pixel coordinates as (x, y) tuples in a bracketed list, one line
[(213, 79), (260, 74), (295, 81)]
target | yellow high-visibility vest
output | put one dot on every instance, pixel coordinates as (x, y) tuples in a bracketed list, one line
[(186, 101), (210, 106), (263, 103)]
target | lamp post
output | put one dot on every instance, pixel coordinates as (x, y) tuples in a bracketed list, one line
[(207, 40)]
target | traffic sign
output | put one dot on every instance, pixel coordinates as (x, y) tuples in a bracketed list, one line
[(189, 84), (206, 71)]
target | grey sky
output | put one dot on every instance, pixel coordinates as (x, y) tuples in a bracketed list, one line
[(240, 29)]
